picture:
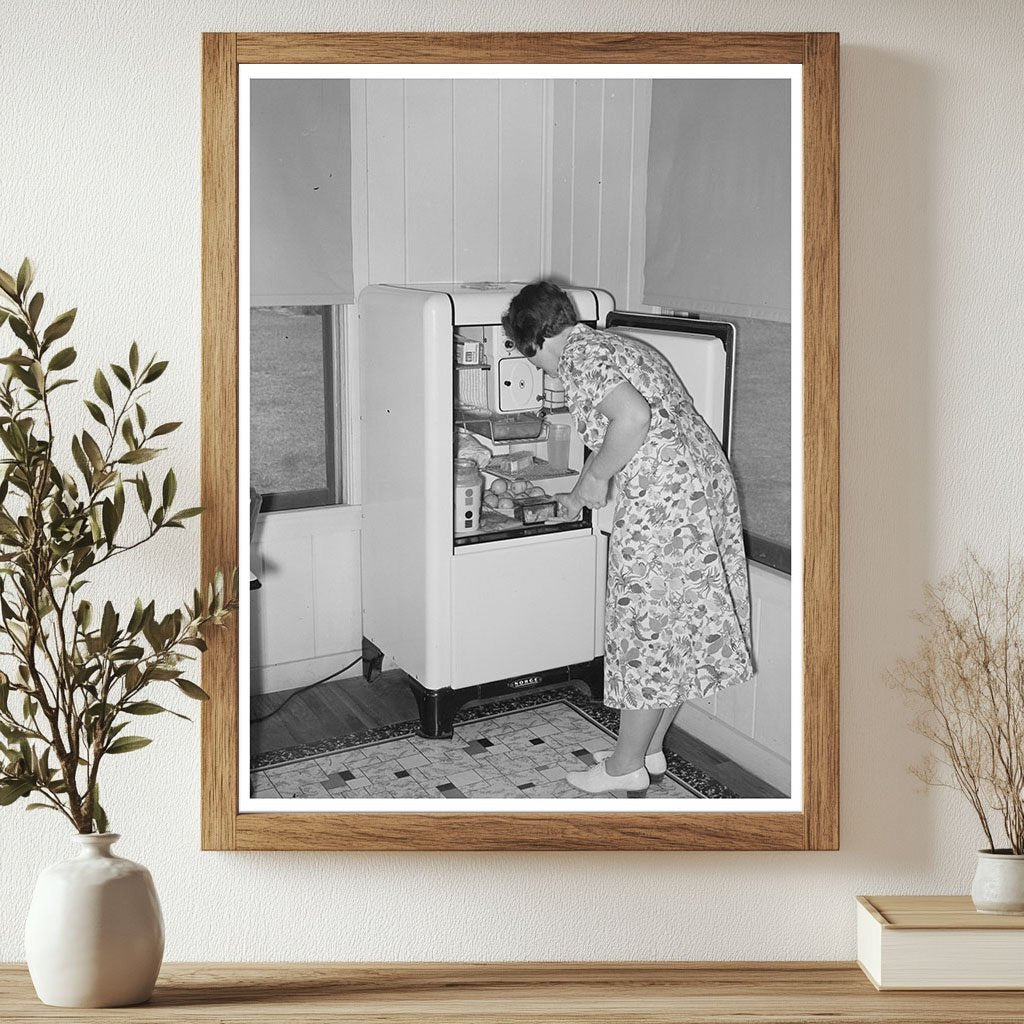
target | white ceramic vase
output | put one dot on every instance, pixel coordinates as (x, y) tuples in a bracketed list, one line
[(999, 883), (95, 934)]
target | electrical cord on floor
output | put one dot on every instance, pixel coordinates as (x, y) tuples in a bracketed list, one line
[(302, 689)]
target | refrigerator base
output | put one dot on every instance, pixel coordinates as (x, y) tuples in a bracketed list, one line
[(437, 708)]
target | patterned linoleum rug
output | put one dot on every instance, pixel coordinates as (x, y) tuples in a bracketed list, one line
[(520, 747)]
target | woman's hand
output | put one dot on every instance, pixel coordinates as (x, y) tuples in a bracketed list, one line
[(569, 506), (589, 492)]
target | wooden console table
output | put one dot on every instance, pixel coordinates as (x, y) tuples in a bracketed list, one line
[(660, 993)]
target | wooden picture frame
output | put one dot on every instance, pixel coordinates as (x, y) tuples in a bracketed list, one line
[(816, 826)]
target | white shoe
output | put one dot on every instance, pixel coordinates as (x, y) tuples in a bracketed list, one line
[(597, 780), (655, 764)]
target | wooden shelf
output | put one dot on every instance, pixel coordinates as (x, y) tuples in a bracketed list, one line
[(661, 993)]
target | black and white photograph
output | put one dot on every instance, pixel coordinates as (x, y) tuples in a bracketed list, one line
[(519, 382)]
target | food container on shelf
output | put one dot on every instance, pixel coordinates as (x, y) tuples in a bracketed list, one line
[(469, 486), (509, 465), (535, 509), (468, 352)]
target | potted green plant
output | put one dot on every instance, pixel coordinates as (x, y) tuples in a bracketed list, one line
[(966, 682), (77, 671)]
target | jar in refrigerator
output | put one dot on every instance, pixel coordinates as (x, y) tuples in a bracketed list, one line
[(469, 486)]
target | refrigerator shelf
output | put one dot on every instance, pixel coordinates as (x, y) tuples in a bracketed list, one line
[(504, 428), (492, 521), (495, 525), (538, 470)]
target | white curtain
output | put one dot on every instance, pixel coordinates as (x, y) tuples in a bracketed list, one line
[(718, 197), (300, 192)]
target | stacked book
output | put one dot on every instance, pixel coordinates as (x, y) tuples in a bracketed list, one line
[(938, 942)]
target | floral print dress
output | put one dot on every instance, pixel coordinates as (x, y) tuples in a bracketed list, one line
[(677, 620)]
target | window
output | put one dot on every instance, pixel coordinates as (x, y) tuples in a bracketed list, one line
[(293, 442)]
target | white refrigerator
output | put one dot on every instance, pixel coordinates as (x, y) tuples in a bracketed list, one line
[(514, 604)]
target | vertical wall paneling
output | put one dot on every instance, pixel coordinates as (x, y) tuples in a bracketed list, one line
[(586, 171), (562, 116), (599, 185), (429, 205), (360, 199), (773, 710), (337, 615), (735, 707), (307, 615), (616, 182), (385, 180), (347, 412), (521, 182), (547, 170), (641, 127), (750, 723), (286, 597), (475, 105), (256, 635)]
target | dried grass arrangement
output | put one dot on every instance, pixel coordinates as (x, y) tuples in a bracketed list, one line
[(966, 682)]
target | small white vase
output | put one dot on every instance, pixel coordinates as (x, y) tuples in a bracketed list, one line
[(95, 934), (999, 882)]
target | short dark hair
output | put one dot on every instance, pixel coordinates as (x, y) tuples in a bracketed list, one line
[(539, 311)]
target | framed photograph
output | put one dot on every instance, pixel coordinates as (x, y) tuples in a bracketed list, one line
[(520, 417)]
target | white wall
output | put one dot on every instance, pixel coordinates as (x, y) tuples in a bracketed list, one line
[(599, 185), (104, 192), (473, 180), (307, 617), (452, 177), (751, 723)]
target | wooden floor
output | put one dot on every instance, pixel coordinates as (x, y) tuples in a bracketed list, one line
[(335, 708), (342, 706)]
